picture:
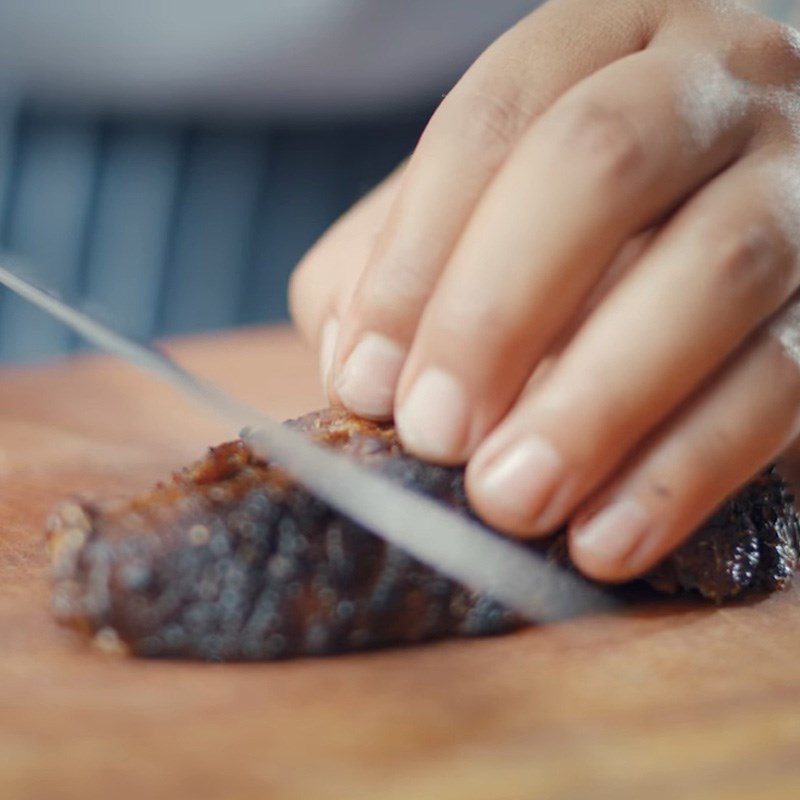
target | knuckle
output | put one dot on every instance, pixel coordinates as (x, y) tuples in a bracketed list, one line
[(779, 41), (766, 54), (394, 290), (604, 139), (476, 321), (489, 120), (388, 302), (746, 263), (455, 333)]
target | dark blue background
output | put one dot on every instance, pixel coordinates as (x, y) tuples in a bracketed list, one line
[(167, 228)]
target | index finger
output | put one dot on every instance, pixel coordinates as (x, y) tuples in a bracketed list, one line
[(465, 144)]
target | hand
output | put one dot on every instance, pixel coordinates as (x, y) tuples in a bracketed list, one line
[(570, 286)]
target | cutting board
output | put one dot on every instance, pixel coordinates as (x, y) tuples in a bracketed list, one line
[(668, 699)]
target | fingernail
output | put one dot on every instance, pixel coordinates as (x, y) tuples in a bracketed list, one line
[(368, 380), (327, 348), (520, 481), (611, 536), (434, 418)]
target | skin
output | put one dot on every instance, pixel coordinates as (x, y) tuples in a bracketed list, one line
[(572, 284)]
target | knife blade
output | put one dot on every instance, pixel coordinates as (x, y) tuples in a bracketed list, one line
[(459, 547)]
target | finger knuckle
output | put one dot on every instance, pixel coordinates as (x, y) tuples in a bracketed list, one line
[(390, 301), (746, 262), (765, 54), (603, 139), (464, 326), (488, 119), (396, 287), (778, 42)]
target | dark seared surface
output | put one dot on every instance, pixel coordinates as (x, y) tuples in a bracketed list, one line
[(230, 560)]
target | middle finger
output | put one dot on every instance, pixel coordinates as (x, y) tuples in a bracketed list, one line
[(720, 267), (616, 153)]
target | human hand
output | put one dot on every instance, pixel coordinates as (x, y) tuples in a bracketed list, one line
[(572, 283)]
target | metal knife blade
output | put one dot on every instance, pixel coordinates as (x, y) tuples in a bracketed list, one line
[(453, 544)]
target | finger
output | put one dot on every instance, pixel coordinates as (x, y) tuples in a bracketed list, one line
[(725, 263), (321, 286), (739, 424), (610, 158), (467, 140)]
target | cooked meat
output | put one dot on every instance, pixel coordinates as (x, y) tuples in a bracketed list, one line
[(232, 560)]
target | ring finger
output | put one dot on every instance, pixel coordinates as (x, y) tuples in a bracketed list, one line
[(749, 415), (724, 264)]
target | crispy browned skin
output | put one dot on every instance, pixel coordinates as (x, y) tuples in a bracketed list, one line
[(231, 560)]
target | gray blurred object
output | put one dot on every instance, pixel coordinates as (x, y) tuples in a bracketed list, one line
[(251, 57), (244, 58)]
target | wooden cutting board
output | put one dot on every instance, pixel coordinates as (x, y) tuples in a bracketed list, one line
[(676, 699)]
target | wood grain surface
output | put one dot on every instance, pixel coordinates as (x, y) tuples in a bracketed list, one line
[(673, 699)]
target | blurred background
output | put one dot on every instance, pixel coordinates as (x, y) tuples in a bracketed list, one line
[(167, 162)]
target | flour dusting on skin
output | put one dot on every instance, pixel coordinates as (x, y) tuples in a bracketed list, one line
[(786, 329), (711, 100)]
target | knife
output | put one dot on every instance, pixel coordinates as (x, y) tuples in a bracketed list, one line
[(457, 546)]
